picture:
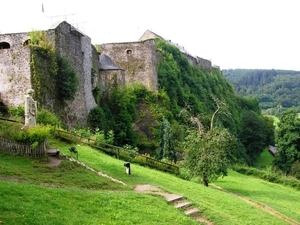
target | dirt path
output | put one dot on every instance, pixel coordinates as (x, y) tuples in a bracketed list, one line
[(53, 161), (261, 206)]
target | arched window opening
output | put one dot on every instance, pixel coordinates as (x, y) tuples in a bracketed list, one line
[(129, 51), (4, 45)]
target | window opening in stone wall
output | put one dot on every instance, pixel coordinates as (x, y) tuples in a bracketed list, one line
[(26, 43), (129, 51), (4, 45)]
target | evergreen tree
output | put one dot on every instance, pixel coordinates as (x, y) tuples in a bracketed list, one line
[(167, 148)]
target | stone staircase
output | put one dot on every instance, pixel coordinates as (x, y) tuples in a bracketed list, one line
[(187, 207), (178, 201)]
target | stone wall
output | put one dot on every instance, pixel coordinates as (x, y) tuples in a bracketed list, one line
[(77, 48), (15, 72), (138, 59), (15, 76), (200, 62), (193, 60)]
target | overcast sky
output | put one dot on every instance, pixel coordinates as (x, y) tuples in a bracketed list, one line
[(249, 34)]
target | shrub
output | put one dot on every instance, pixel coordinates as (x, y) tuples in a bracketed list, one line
[(295, 170), (46, 117), (66, 80), (270, 174), (17, 112)]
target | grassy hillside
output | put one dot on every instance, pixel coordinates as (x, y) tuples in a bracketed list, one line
[(264, 160), (34, 193)]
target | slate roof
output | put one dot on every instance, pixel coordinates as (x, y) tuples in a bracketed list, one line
[(106, 63)]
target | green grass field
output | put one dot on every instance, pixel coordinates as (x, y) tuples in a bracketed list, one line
[(265, 160), (34, 193)]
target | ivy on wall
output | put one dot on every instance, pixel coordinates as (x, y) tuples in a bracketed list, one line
[(43, 65), (52, 75), (66, 80)]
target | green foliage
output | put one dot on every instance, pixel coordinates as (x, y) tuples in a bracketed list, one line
[(131, 148), (101, 138), (276, 89), (43, 65), (66, 80), (96, 94), (187, 84), (41, 39), (167, 148), (16, 112), (269, 174), (253, 135), (295, 170), (45, 117), (130, 112), (288, 140), (31, 135), (84, 132), (208, 154)]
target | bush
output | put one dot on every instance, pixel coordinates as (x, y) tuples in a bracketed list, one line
[(270, 174), (46, 117), (17, 112), (66, 80), (295, 170), (31, 135)]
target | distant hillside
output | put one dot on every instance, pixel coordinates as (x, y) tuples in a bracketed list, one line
[(275, 89)]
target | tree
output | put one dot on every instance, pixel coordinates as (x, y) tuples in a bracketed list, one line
[(167, 149), (208, 153), (288, 140), (253, 135)]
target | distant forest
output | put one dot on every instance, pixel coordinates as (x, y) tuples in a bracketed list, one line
[(276, 90)]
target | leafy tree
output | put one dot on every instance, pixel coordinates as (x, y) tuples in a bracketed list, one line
[(167, 149), (208, 153), (269, 129), (253, 135), (288, 140)]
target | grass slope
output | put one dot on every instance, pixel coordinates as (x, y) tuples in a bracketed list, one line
[(265, 160), (32, 193)]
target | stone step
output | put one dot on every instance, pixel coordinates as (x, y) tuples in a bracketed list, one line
[(173, 198), (182, 204), (191, 212)]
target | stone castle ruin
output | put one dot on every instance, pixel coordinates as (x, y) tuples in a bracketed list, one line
[(117, 63)]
